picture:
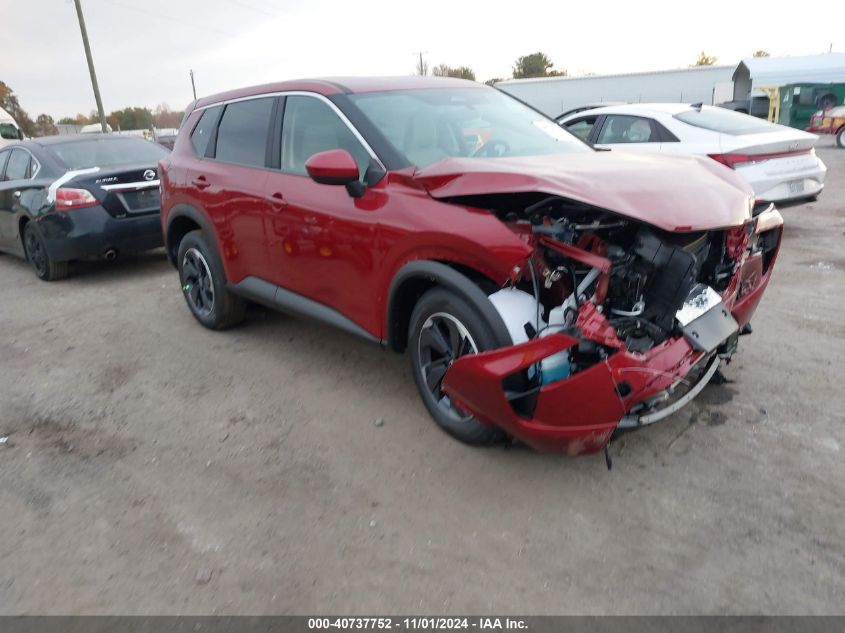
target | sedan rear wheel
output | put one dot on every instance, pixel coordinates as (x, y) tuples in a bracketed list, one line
[(840, 137), (38, 257)]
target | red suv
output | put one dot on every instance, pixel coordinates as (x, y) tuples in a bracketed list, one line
[(545, 291)]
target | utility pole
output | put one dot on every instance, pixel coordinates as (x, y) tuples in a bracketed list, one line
[(96, 87), (193, 85), (422, 69)]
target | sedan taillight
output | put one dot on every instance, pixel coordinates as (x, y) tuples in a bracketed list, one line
[(733, 159), (74, 199)]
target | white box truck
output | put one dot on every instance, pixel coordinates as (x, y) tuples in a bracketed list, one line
[(10, 131)]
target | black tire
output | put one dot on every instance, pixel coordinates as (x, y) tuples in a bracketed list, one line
[(203, 284), (43, 265), (840, 137), (434, 312)]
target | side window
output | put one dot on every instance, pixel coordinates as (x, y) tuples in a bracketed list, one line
[(582, 127), (18, 166), (310, 126), (665, 136), (242, 133), (627, 129), (202, 132)]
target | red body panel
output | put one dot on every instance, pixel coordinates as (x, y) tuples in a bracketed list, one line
[(633, 185)]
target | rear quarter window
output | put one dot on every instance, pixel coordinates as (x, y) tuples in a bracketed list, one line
[(725, 121), (204, 129)]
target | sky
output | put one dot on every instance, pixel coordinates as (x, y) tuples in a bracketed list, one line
[(143, 51)]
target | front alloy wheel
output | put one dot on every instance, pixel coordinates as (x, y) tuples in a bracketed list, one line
[(443, 328), (442, 340)]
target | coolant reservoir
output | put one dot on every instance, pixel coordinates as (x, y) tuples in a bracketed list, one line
[(556, 366)]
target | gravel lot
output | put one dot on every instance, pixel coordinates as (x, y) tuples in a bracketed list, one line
[(153, 466)]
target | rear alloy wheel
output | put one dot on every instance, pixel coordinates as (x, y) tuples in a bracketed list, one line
[(36, 254), (840, 137), (198, 286), (204, 284), (444, 328)]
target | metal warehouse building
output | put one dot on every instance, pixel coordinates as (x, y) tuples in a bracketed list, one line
[(780, 71), (554, 95), (705, 84)]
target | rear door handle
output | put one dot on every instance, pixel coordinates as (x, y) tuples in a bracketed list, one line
[(278, 201), (200, 182)]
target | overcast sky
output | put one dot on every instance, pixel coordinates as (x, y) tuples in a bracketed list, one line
[(144, 49)]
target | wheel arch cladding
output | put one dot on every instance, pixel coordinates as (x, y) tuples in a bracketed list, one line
[(417, 277), (181, 221)]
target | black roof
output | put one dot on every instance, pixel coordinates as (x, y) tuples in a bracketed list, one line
[(72, 138)]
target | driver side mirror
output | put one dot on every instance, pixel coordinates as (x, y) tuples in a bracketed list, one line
[(334, 167)]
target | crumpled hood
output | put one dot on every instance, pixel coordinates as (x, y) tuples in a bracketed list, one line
[(685, 193)]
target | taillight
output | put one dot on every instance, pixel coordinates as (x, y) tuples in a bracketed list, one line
[(731, 160), (74, 199)]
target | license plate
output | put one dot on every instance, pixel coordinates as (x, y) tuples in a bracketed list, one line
[(705, 321), (141, 200), (796, 186), (699, 300)]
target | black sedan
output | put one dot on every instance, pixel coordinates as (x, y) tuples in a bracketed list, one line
[(75, 197)]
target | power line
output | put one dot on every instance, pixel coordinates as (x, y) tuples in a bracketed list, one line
[(170, 18), (256, 9)]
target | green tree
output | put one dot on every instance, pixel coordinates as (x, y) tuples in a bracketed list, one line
[(45, 126), (704, 59), (131, 119), (760, 53), (535, 65), (9, 102), (461, 72)]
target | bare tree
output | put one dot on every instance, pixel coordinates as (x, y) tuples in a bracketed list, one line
[(704, 59), (422, 67), (460, 72)]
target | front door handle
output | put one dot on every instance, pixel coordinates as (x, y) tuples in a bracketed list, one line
[(16, 195), (200, 182), (278, 201)]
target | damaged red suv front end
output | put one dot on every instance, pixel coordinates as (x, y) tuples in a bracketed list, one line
[(647, 314)]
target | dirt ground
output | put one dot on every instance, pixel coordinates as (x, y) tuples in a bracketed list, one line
[(153, 466)]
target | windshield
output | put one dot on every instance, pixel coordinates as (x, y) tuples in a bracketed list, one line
[(430, 125), (725, 121), (107, 152)]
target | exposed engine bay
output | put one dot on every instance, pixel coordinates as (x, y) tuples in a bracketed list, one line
[(617, 286)]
